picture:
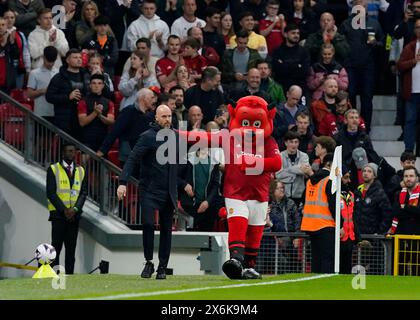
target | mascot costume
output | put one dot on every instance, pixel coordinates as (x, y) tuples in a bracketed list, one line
[(247, 179)]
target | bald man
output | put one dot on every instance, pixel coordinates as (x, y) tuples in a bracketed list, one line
[(157, 187), (251, 87), (195, 118), (327, 33)]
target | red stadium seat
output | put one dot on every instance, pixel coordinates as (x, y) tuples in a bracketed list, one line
[(113, 157), (10, 113), (118, 98), (21, 96), (14, 133)]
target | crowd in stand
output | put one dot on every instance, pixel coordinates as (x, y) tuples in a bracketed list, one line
[(98, 70)]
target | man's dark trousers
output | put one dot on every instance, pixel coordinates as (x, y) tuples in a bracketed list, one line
[(322, 250), (65, 232), (166, 211)]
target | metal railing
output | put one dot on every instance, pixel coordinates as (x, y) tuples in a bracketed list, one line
[(280, 254), (40, 144), (406, 255)]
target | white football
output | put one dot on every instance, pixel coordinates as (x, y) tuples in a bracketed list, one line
[(45, 253)]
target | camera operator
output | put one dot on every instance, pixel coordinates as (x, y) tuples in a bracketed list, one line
[(406, 27)]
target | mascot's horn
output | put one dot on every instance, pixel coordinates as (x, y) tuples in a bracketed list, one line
[(271, 105)]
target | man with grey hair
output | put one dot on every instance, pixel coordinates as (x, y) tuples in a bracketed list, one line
[(195, 118), (160, 180), (131, 122)]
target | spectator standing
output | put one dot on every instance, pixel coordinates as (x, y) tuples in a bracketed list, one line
[(256, 41), (327, 35), (95, 113), (323, 146), (104, 44), (306, 136), (180, 112), (405, 29), (130, 123), (166, 66), (407, 208), (372, 210), (273, 89), (38, 82), (137, 77), (95, 66), (211, 37), (237, 61), (85, 28), (327, 68), (347, 235), (65, 91), (27, 13), (361, 63), (161, 193), (71, 18), (149, 25), (319, 218), (188, 20), (252, 87), (200, 182), (226, 28), (396, 182), (303, 16), (291, 62), (209, 53), (206, 94), (144, 46), (24, 65), (271, 27), (321, 108), (66, 193), (9, 56), (46, 34), (409, 66), (295, 167)]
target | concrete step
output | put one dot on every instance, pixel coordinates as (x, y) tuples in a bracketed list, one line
[(395, 162), (384, 103), (388, 148), (383, 117), (385, 133)]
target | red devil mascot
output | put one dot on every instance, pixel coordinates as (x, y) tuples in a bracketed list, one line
[(252, 156)]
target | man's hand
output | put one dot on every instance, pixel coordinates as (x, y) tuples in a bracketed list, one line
[(159, 35), (203, 207), (53, 35), (75, 95), (100, 154), (239, 76), (121, 192), (341, 232), (189, 190), (98, 108), (296, 243), (408, 14), (69, 213), (152, 34)]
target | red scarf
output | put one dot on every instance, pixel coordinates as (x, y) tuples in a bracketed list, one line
[(412, 201)]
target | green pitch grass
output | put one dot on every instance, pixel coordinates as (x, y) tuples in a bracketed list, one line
[(116, 286)]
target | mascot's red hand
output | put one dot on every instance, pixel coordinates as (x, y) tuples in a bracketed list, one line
[(247, 162)]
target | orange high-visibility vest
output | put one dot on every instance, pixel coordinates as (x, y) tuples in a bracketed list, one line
[(316, 214), (347, 205)]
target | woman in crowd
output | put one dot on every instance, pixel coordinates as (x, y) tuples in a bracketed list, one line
[(226, 28), (85, 29)]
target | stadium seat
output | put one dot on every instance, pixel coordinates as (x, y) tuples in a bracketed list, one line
[(113, 157), (21, 96), (14, 133), (118, 98), (10, 113)]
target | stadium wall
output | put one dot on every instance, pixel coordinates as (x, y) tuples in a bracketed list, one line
[(24, 224)]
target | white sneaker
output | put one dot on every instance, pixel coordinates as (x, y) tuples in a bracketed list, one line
[(250, 274)]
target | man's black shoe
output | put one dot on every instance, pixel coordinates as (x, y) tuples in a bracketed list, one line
[(161, 273), (233, 269), (148, 270)]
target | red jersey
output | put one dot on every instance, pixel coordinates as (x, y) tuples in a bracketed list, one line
[(164, 67), (195, 65), (275, 37), (82, 108), (238, 185)]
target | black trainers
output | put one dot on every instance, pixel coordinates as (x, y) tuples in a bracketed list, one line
[(250, 274), (148, 270), (161, 273), (233, 269)]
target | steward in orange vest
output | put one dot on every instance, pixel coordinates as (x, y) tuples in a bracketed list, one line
[(319, 218)]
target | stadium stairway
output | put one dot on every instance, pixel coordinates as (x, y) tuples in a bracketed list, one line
[(384, 133)]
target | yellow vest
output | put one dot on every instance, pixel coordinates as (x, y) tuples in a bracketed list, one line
[(316, 214), (67, 194), (255, 41)]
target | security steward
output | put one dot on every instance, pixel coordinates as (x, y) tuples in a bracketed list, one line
[(319, 218), (66, 193)]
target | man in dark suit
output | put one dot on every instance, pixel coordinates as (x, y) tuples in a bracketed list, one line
[(158, 185)]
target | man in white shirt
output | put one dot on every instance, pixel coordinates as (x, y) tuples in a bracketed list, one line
[(149, 25), (181, 25), (46, 34), (38, 82)]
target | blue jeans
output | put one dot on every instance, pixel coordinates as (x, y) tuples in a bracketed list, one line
[(410, 129), (362, 81)]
